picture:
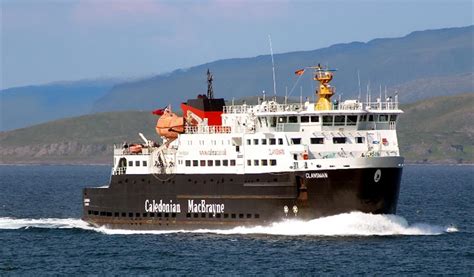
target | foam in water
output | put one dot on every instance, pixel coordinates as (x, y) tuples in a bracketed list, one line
[(348, 224), (50, 223)]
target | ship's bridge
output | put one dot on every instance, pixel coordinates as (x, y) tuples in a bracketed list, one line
[(297, 117)]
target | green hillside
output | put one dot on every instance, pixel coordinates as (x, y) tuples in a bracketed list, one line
[(437, 130), (84, 139)]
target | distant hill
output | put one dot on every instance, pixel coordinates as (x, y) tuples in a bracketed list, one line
[(420, 65), (29, 105), (437, 130), (84, 139)]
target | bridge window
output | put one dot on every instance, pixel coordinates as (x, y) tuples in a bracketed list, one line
[(393, 117), (272, 141), (339, 120), (314, 118), (304, 119), (339, 140), (293, 119), (383, 117), (363, 118), (371, 117), (359, 139), (273, 122), (282, 119), (327, 120), (188, 163), (317, 140), (296, 140), (351, 120)]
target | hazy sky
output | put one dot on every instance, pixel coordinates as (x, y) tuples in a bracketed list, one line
[(44, 41)]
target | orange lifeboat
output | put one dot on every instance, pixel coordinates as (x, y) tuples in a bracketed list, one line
[(135, 148), (169, 125)]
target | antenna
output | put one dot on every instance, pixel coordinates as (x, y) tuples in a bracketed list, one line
[(273, 65), (380, 92), (210, 90), (368, 93), (358, 79), (301, 95)]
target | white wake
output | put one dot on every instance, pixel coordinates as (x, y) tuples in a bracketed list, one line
[(49, 223), (348, 224)]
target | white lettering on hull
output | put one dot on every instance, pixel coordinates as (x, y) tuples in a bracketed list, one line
[(155, 207), (203, 207), (316, 175)]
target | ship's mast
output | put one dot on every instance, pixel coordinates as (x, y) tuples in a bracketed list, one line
[(210, 90), (324, 76)]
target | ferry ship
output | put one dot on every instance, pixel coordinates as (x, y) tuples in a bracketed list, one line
[(222, 166)]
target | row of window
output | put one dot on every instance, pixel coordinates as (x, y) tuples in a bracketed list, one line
[(262, 162), (172, 215), (271, 141), (137, 163), (378, 118), (210, 162), (330, 120), (295, 119), (335, 140)]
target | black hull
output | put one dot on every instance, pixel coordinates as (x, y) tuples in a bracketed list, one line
[(238, 200)]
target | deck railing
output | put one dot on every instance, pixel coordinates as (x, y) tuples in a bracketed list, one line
[(295, 107), (213, 129)]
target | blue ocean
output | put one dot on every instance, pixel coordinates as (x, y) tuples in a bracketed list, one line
[(432, 233)]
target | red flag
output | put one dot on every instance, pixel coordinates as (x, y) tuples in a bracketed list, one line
[(299, 72), (162, 111), (158, 112)]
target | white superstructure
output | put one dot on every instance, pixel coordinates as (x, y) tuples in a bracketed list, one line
[(273, 137)]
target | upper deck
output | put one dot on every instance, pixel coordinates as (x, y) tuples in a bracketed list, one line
[(348, 106)]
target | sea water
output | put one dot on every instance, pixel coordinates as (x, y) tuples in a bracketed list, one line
[(432, 233)]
